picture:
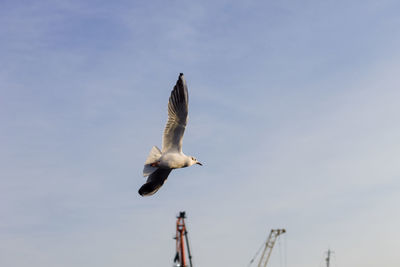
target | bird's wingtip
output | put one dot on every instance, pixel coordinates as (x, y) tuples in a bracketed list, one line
[(143, 191)]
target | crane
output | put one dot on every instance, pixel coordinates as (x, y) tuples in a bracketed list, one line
[(181, 232), (269, 245)]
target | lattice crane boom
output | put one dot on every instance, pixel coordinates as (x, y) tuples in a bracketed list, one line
[(269, 245)]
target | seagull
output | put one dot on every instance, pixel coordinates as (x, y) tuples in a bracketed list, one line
[(160, 163)]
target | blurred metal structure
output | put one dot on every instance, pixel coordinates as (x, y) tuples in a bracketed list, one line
[(182, 238), (269, 245), (328, 257)]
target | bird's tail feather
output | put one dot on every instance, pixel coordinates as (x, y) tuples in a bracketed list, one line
[(153, 157)]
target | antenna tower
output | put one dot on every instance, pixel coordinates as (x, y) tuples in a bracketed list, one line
[(182, 238)]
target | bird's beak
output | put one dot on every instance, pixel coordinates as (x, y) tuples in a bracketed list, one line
[(199, 163)]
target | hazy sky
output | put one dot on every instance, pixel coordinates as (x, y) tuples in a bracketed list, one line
[(294, 111)]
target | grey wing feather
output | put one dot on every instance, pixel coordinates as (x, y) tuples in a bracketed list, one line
[(154, 182), (177, 117)]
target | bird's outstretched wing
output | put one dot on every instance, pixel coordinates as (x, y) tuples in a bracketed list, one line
[(177, 117), (154, 182)]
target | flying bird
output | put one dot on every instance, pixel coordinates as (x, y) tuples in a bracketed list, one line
[(160, 163)]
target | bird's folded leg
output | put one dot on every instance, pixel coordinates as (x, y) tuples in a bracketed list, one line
[(155, 164)]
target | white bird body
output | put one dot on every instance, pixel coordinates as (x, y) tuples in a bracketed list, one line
[(159, 163), (175, 160)]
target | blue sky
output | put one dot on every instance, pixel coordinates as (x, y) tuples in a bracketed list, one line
[(293, 111)]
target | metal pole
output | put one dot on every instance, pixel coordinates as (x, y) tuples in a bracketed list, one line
[(187, 244), (181, 229), (328, 258)]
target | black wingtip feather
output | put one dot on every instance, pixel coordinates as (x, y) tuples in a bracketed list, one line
[(148, 189)]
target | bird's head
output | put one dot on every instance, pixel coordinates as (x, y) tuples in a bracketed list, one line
[(193, 161)]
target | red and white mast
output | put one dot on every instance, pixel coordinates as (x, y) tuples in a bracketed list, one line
[(182, 239)]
